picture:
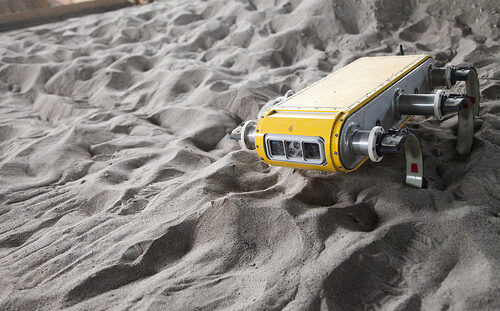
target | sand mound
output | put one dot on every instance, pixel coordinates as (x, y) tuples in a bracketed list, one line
[(120, 188)]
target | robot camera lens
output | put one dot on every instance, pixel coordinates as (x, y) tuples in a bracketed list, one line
[(277, 148), (293, 149), (311, 151)]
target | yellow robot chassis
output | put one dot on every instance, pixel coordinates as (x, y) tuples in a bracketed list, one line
[(358, 113)]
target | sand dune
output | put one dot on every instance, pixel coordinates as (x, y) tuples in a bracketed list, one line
[(120, 188)]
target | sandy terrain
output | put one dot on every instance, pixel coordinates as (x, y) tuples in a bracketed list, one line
[(120, 188)]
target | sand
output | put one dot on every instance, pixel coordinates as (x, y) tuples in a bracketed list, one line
[(120, 188)]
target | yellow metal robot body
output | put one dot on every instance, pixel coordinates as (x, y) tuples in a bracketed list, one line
[(356, 113)]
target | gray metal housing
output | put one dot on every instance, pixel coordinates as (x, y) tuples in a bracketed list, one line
[(382, 111)]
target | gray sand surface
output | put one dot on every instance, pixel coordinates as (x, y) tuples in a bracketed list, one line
[(120, 188)]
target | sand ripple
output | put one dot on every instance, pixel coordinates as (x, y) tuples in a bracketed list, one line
[(120, 188)]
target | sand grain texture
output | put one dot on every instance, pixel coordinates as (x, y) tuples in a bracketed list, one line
[(120, 188)]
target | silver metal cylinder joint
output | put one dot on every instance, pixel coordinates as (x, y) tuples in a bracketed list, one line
[(416, 104), (442, 76), (365, 143), (359, 142), (421, 104), (247, 138)]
